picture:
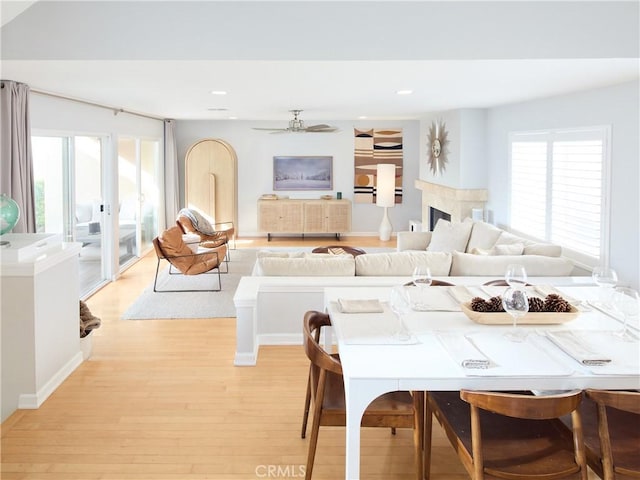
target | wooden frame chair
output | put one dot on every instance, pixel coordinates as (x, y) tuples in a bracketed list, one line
[(391, 410), (611, 422), (510, 435), (169, 246)]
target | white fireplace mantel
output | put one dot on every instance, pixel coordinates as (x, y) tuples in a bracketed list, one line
[(457, 202)]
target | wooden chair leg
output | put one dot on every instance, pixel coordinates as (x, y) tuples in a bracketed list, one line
[(418, 432), (315, 426), (427, 440), (307, 404)]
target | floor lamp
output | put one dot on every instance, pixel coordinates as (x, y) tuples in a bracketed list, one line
[(386, 196)]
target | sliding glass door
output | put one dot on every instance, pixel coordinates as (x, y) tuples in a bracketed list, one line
[(68, 196), (138, 195)]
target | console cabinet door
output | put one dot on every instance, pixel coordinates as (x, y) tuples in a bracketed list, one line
[(338, 216), (315, 217), (280, 216)]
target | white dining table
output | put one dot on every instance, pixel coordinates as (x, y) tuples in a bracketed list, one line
[(375, 360)]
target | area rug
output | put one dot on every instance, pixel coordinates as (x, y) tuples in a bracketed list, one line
[(173, 305)]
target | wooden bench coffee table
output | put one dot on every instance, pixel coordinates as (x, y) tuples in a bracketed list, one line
[(338, 249)]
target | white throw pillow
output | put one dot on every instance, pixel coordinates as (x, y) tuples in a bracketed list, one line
[(483, 236), (513, 249), (449, 237)]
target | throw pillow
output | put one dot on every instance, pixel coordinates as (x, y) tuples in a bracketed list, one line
[(483, 235), (513, 249), (450, 237)]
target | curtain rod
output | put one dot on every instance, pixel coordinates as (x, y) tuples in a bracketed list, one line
[(115, 110)]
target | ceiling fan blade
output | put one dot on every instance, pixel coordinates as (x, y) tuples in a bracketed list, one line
[(320, 129), (271, 129), (320, 126)]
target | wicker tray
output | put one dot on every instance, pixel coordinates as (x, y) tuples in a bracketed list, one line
[(503, 318)]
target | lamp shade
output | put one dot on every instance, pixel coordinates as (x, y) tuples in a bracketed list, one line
[(386, 185)]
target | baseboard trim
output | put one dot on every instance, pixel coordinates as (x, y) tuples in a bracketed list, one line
[(33, 401)]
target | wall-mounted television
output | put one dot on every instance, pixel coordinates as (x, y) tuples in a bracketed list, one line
[(303, 173)]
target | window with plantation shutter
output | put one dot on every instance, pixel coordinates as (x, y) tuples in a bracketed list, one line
[(557, 189)]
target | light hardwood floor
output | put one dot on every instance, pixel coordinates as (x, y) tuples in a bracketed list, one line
[(161, 400)]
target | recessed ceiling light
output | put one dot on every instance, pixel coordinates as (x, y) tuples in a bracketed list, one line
[(404, 92), (233, 118), (218, 92), (216, 109), (362, 117)]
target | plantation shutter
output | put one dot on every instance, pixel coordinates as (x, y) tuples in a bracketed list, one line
[(557, 192)]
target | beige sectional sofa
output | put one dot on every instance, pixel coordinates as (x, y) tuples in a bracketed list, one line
[(453, 249)]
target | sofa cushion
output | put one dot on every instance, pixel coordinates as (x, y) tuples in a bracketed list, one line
[(279, 254), (469, 265), (449, 237), (308, 266), (483, 236), (402, 263)]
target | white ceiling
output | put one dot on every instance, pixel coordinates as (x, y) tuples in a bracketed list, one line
[(271, 57)]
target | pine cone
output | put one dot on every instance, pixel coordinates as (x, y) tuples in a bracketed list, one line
[(555, 303), (495, 304), (479, 305), (536, 304)]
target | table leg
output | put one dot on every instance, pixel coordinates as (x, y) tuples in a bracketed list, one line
[(358, 396)]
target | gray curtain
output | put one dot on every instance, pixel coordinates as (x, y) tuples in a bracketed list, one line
[(16, 163), (171, 184)]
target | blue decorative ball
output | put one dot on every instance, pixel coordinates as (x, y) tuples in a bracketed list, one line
[(9, 214)]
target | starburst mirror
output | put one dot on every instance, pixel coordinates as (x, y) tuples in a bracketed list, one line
[(437, 142)]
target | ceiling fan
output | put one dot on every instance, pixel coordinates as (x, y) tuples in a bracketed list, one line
[(297, 125)]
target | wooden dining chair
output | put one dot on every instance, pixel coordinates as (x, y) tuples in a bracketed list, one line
[(391, 410), (307, 400), (510, 435), (611, 421)]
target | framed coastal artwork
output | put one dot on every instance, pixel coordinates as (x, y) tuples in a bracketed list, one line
[(303, 173)]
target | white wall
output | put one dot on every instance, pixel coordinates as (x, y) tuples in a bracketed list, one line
[(617, 106), (466, 165), (59, 115), (256, 149)]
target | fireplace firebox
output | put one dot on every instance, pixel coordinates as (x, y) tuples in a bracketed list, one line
[(435, 215)]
